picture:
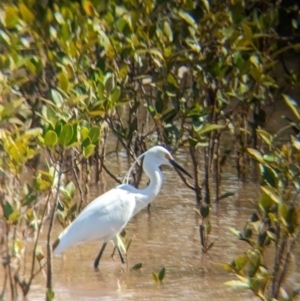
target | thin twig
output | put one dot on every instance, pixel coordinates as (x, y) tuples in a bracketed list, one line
[(49, 251)]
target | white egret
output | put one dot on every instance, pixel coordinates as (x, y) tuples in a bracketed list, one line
[(108, 214)]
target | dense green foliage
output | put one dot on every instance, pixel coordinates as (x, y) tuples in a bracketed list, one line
[(73, 72)]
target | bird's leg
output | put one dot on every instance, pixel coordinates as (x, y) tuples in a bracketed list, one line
[(96, 262)]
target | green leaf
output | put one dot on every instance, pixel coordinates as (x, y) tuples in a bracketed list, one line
[(293, 105), (254, 218), (265, 202), (8, 210), (66, 135), (206, 5), (247, 31), (271, 192), (240, 262), (256, 154), (57, 98), (11, 17), (50, 294), (272, 236), (94, 134), (115, 95), (187, 18), (226, 195), (161, 274), (137, 266), (70, 188), (254, 263), (29, 198), (255, 284), (236, 232), (268, 175), (121, 244), (292, 219), (168, 31), (152, 51), (84, 132), (267, 137), (63, 81), (14, 217), (109, 82), (237, 284), (208, 127), (88, 150), (5, 37), (204, 210), (50, 139), (271, 158), (26, 14), (39, 254), (155, 277)]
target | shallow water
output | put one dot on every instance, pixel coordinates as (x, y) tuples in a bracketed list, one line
[(166, 235)]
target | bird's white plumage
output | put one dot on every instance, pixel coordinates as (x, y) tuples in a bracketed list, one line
[(102, 219), (108, 214)]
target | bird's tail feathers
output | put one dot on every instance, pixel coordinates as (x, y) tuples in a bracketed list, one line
[(55, 245)]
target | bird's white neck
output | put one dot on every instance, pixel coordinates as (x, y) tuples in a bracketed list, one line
[(156, 180)]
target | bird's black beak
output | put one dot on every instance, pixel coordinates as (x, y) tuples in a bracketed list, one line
[(177, 166)]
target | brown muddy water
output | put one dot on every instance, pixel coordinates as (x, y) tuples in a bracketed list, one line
[(166, 236)]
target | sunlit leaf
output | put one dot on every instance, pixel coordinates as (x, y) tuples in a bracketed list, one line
[(187, 18), (268, 175), (88, 8), (5, 37), (94, 134), (26, 14), (11, 16), (265, 202), (155, 276), (272, 236), (116, 93), (293, 105), (56, 97), (240, 261), (254, 263), (50, 139), (168, 31), (14, 217), (39, 254), (206, 4), (66, 135), (206, 128), (256, 154), (120, 244), (88, 150), (237, 284), (271, 192), (153, 51), (63, 81), (236, 232)]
